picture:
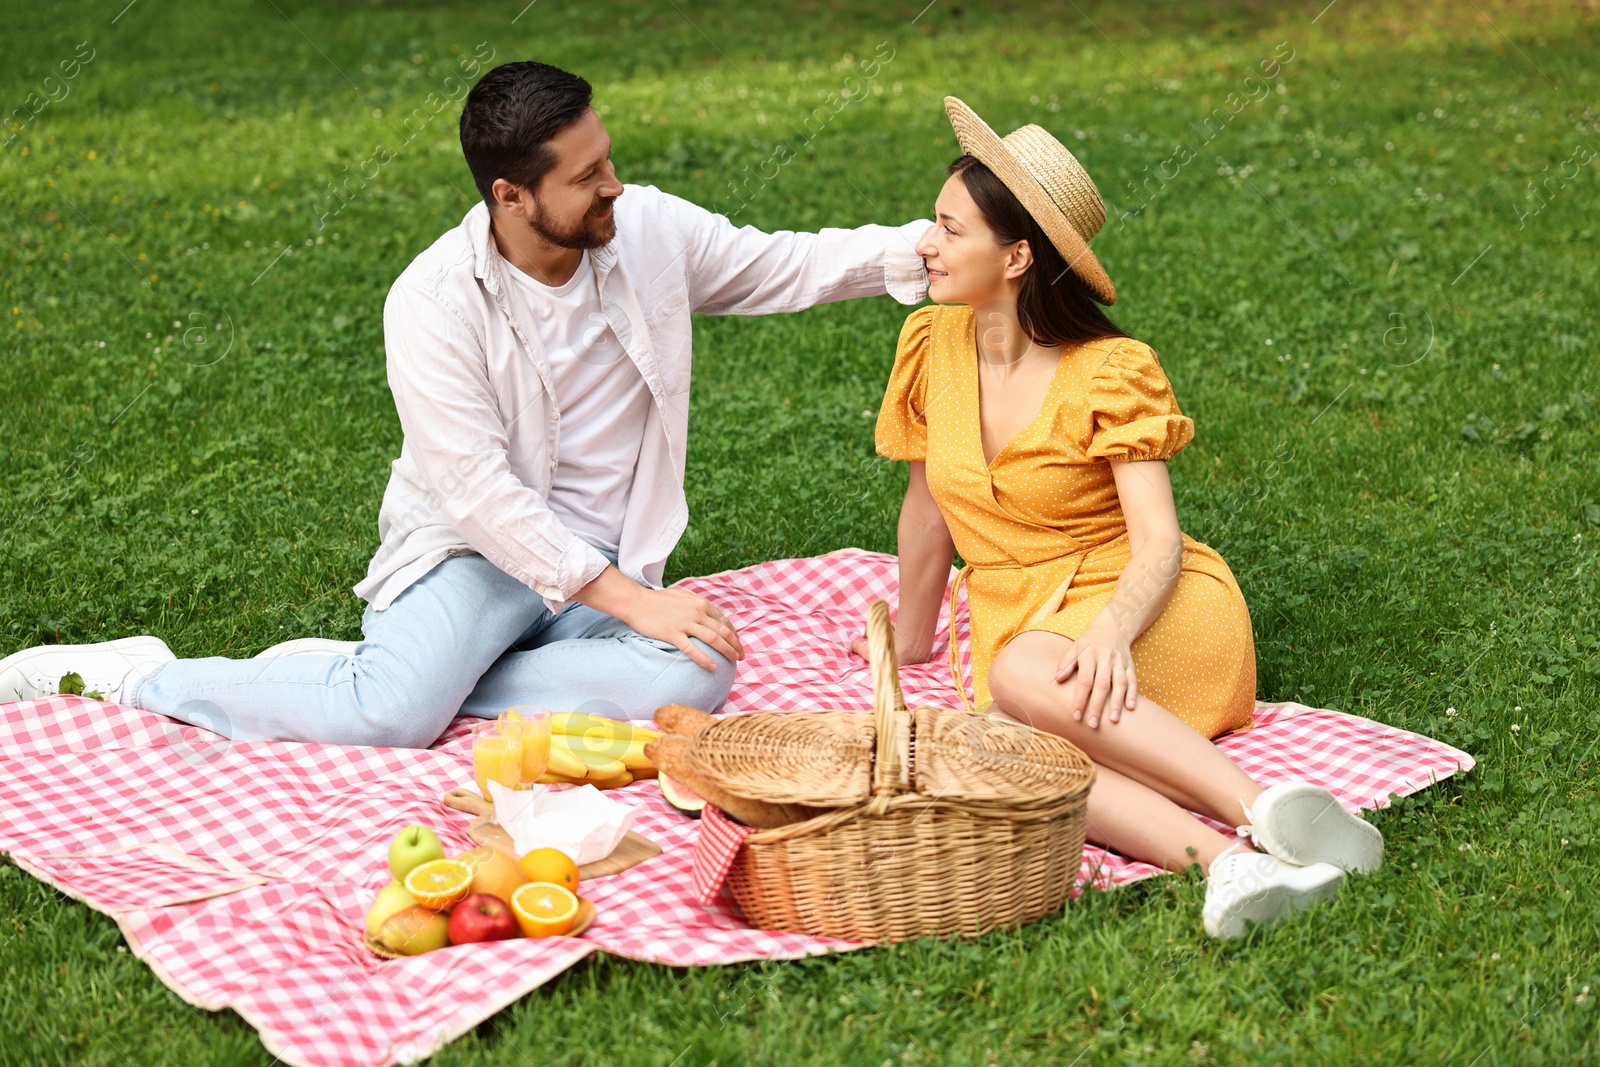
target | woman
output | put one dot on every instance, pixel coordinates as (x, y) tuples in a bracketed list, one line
[(1038, 435)]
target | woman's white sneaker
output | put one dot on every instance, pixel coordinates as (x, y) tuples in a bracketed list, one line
[(1303, 823), (1247, 886), (110, 668)]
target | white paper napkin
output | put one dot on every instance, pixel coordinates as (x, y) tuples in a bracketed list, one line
[(583, 822)]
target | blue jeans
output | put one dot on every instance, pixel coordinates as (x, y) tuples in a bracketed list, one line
[(466, 639)]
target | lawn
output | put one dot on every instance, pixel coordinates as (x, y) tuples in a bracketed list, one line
[(1362, 241)]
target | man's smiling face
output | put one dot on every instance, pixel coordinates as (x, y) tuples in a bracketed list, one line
[(572, 206)]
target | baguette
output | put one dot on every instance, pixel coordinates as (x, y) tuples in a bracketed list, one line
[(682, 719)]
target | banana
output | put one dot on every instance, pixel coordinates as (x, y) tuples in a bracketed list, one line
[(563, 762), (575, 723), (634, 759), (549, 778), (580, 762), (582, 724), (600, 768), (592, 747)]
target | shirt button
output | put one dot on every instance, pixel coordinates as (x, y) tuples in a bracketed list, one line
[(555, 416)]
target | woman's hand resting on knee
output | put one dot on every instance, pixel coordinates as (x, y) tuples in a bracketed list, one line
[(1100, 665), (1098, 672)]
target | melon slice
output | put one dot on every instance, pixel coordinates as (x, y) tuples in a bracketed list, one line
[(681, 796)]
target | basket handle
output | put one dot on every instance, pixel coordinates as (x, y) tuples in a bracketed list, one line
[(887, 699)]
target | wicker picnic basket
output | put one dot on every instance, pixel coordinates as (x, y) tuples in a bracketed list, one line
[(939, 822)]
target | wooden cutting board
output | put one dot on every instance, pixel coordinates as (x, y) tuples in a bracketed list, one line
[(632, 850)]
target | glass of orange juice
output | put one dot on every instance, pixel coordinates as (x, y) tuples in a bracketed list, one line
[(496, 757), (532, 723)]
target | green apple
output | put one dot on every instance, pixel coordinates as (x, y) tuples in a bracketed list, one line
[(414, 930), (391, 898), (411, 848)]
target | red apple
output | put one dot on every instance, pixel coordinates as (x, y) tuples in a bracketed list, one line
[(482, 917)]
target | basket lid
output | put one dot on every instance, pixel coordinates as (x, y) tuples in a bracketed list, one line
[(818, 758), (963, 755), (835, 759)]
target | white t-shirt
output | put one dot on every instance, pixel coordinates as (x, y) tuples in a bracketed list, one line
[(603, 402)]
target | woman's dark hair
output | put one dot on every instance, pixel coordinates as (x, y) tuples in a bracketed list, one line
[(1054, 304), (509, 118)]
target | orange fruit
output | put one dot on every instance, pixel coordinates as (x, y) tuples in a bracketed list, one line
[(551, 865), (544, 910), (494, 872), (438, 884)]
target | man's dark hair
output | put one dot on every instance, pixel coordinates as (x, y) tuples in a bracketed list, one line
[(509, 118), (1053, 305)]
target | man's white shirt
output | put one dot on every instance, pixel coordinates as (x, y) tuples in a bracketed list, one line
[(487, 427), (603, 403)]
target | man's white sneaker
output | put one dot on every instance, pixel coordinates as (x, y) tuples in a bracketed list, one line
[(1255, 887), (309, 646), (1303, 823), (110, 668)]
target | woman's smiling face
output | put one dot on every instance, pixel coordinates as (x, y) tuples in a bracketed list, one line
[(965, 265)]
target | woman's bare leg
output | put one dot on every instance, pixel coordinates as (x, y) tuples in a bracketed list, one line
[(1144, 825), (1149, 745)]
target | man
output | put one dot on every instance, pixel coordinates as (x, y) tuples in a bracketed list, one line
[(539, 357)]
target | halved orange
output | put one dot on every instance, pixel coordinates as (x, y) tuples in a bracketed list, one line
[(438, 884), (551, 865), (544, 909)]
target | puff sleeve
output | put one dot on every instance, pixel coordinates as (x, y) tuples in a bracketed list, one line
[(1135, 416), (902, 431)]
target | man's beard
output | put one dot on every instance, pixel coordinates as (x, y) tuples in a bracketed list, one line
[(591, 232)]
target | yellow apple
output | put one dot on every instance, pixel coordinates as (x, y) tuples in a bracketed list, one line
[(391, 898), (413, 930)]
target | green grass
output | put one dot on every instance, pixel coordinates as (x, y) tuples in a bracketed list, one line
[(1414, 526)]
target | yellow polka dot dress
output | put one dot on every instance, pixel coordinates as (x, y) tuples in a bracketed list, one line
[(1041, 529)]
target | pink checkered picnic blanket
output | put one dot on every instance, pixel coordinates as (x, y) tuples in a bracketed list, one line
[(240, 872)]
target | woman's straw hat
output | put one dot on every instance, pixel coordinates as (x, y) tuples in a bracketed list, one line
[(1050, 183)]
